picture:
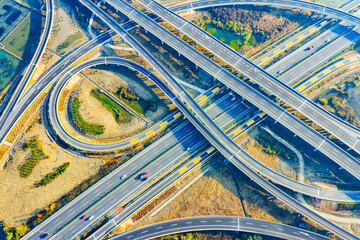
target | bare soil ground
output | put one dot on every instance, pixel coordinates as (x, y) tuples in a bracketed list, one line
[(22, 200)]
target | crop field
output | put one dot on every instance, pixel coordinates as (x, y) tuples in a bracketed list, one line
[(9, 66), (11, 14), (21, 42)]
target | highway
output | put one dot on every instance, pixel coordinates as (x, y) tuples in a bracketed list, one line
[(342, 196), (101, 39), (256, 98), (320, 116), (223, 223), (19, 90), (298, 37), (166, 151), (212, 132)]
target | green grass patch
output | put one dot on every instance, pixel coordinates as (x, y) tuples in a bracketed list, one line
[(33, 3), (82, 125), (138, 104), (37, 154), (21, 41), (51, 176), (119, 113), (68, 41), (9, 67)]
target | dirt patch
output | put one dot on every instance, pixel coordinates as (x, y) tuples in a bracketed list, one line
[(22, 199)]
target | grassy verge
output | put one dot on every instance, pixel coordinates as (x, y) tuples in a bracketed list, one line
[(51, 176), (138, 104), (119, 113), (37, 154), (82, 125), (69, 40)]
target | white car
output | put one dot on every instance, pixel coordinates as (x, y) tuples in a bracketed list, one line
[(123, 176), (90, 218)]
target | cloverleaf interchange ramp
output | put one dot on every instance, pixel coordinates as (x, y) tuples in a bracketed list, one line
[(209, 129)]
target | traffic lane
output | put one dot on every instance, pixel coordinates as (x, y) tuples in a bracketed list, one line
[(306, 50), (132, 185), (218, 223), (318, 58)]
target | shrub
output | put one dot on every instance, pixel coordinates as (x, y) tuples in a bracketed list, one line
[(37, 154), (82, 125), (323, 101), (51, 177)]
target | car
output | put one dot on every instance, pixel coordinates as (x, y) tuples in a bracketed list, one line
[(141, 176), (90, 218), (83, 217), (327, 40), (280, 72), (44, 235), (309, 48), (123, 176), (144, 179)]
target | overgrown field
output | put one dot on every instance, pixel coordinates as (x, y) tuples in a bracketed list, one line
[(81, 124), (68, 41), (21, 41), (11, 14), (9, 67), (249, 28), (119, 113), (51, 176), (138, 104)]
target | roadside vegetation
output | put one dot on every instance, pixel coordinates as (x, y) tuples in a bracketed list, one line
[(272, 147), (138, 104), (342, 99), (68, 41), (37, 155), (216, 235), (119, 113), (51, 176), (81, 124), (14, 233)]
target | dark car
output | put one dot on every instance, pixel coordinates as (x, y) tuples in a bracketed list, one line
[(309, 48), (83, 217), (44, 235)]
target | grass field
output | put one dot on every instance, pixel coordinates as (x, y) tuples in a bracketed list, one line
[(33, 3), (119, 113), (11, 14), (21, 41), (82, 125), (9, 67)]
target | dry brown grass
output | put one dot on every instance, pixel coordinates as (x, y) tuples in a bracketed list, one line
[(22, 200)]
